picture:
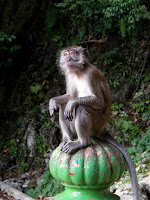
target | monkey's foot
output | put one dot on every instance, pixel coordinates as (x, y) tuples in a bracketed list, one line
[(73, 146), (62, 144)]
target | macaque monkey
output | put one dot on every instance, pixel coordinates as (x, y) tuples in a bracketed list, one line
[(85, 108)]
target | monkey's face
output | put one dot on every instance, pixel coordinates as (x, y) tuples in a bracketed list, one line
[(72, 59)]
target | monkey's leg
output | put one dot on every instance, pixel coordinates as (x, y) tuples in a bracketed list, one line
[(64, 125), (82, 128)]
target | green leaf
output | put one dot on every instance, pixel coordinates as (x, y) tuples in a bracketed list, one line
[(125, 125), (138, 94), (36, 88)]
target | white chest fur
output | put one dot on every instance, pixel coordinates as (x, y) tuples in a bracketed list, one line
[(78, 87)]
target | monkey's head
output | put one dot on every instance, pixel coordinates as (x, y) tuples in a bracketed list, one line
[(73, 58)]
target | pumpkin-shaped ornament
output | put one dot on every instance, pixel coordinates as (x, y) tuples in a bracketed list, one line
[(88, 174)]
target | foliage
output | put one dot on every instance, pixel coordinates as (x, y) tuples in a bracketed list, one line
[(114, 83), (143, 83), (34, 101), (126, 15), (109, 56), (19, 121), (143, 107), (116, 107), (104, 16), (129, 128), (54, 24), (40, 144), (14, 148), (110, 59), (22, 167), (134, 131), (87, 14), (47, 120), (48, 187), (17, 154), (37, 89), (47, 124), (7, 49), (143, 145)]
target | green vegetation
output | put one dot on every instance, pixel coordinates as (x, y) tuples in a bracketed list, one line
[(109, 57), (37, 89), (133, 123), (48, 187), (102, 17), (94, 19), (34, 98), (54, 25), (17, 154), (40, 144), (22, 167), (125, 15), (7, 49), (14, 148)]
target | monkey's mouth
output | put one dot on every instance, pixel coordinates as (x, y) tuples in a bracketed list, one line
[(75, 65), (73, 68), (71, 65)]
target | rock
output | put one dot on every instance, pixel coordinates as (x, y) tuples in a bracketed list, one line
[(144, 184), (36, 162), (145, 95), (44, 107), (51, 135), (31, 132), (26, 183), (124, 191), (121, 94), (15, 183), (47, 156), (145, 160), (13, 192), (4, 162), (142, 166)]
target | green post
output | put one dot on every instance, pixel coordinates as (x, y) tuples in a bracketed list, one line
[(88, 174)]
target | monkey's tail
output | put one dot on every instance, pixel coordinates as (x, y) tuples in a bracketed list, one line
[(132, 172)]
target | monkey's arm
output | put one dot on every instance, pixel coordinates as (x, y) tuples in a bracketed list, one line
[(56, 101), (90, 101)]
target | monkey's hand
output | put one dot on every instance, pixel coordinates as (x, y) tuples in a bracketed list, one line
[(52, 107), (68, 113)]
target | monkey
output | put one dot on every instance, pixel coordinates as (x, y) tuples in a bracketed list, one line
[(85, 108)]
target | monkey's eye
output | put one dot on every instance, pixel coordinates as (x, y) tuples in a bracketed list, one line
[(73, 53), (65, 53)]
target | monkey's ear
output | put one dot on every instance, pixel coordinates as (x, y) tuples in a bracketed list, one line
[(86, 52)]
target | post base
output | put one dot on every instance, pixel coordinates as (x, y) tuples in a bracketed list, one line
[(82, 193)]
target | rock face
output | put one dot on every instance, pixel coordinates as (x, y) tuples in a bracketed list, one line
[(123, 64), (38, 142), (144, 184), (125, 192)]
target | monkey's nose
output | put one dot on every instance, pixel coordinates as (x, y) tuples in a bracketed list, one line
[(69, 58)]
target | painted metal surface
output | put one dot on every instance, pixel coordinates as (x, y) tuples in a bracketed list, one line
[(89, 172)]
